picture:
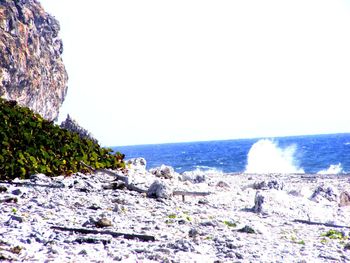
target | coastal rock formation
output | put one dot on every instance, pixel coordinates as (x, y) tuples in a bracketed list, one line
[(72, 125), (31, 67)]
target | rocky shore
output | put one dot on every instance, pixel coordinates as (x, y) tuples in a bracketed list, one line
[(161, 216)]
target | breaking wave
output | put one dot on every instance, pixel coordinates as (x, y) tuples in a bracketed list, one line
[(265, 156), (333, 169)]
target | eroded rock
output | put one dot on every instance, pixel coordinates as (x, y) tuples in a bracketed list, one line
[(326, 192), (344, 199), (31, 68), (163, 171), (72, 125), (159, 189)]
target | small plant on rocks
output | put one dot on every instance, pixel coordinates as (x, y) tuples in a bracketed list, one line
[(334, 234), (230, 223)]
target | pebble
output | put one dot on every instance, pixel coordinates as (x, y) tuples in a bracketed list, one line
[(17, 192)]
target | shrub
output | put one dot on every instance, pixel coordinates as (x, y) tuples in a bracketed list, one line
[(30, 144)]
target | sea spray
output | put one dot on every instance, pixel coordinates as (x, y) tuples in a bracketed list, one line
[(332, 169), (265, 156)]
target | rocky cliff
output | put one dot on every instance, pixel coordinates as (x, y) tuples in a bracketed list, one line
[(31, 67)]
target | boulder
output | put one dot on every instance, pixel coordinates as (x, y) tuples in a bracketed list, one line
[(159, 189), (31, 68), (325, 192), (258, 202), (344, 199)]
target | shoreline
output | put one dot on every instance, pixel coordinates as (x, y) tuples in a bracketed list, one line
[(245, 218)]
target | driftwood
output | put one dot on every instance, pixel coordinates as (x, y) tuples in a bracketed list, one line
[(133, 187), (9, 200), (32, 184), (319, 223), (119, 177), (123, 178), (185, 193), (106, 232)]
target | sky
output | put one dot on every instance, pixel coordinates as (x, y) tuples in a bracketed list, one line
[(160, 71)]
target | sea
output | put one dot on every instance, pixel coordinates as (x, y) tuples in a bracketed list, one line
[(311, 154)]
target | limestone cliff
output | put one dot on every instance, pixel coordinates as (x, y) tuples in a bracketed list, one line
[(31, 67)]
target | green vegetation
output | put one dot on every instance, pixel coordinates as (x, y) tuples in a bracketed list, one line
[(230, 224), (334, 234), (172, 216), (296, 241), (30, 144)]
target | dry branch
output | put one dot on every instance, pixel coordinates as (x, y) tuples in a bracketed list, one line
[(319, 223), (185, 193), (106, 232)]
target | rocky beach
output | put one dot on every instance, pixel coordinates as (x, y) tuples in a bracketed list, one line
[(79, 202), (158, 215)]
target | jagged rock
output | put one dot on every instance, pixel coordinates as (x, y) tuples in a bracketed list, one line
[(16, 218), (17, 192), (159, 189), (247, 229), (137, 163), (40, 178), (258, 202), (193, 176), (31, 68), (265, 185), (163, 171), (72, 125), (103, 222), (223, 184), (327, 192), (344, 199), (193, 232), (182, 245)]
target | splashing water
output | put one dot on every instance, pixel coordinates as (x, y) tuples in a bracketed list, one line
[(265, 156), (332, 169)]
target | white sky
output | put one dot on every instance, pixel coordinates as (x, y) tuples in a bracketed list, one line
[(167, 71)]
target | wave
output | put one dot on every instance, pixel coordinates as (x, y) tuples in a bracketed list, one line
[(203, 170), (332, 169), (265, 156)]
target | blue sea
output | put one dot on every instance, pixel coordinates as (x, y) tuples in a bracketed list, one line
[(322, 154)]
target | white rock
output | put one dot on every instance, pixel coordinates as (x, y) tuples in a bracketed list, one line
[(164, 171), (160, 189)]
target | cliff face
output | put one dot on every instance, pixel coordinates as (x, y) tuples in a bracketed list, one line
[(31, 67)]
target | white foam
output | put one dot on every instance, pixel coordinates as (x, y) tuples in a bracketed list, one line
[(332, 169), (207, 170), (265, 156)]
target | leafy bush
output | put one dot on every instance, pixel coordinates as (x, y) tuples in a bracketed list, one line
[(30, 144)]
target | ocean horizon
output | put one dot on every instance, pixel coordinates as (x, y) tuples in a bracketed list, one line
[(312, 154)]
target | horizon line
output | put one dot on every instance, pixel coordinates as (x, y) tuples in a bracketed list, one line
[(232, 139)]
